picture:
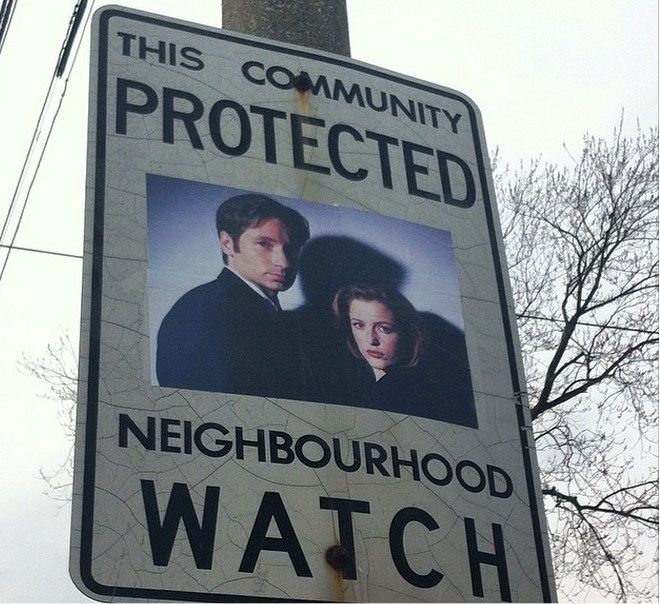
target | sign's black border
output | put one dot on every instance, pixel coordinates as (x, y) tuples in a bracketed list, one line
[(87, 524)]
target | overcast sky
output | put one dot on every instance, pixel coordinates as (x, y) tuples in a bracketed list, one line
[(542, 73)]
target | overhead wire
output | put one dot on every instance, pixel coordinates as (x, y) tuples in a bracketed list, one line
[(588, 324), (59, 78), (6, 14), (518, 315), (74, 25), (49, 252)]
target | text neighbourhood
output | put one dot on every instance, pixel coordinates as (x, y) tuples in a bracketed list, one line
[(171, 435)]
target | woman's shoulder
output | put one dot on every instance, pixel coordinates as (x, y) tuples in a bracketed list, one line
[(419, 392), (396, 388)]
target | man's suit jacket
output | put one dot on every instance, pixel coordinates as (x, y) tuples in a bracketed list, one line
[(223, 337)]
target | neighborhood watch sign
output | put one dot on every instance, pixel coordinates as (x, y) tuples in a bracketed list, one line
[(299, 374)]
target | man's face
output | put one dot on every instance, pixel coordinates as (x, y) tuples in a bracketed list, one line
[(263, 255)]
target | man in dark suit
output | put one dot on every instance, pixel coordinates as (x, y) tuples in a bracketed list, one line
[(227, 335)]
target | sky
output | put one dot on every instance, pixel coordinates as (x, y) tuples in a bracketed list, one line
[(542, 73)]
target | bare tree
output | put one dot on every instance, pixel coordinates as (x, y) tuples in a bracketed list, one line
[(58, 369), (582, 251), (583, 260)]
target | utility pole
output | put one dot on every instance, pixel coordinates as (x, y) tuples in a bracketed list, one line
[(320, 24)]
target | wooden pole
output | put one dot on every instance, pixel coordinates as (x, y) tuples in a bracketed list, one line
[(320, 24)]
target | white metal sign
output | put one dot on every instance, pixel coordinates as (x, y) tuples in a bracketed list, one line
[(299, 373)]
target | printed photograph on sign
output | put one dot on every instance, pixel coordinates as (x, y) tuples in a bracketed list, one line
[(259, 294)]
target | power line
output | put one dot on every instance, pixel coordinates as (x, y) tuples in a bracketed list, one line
[(6, 14), (74, 24), (520, 316), (24, 170), (38, 251), (587, 324), (41, 126)]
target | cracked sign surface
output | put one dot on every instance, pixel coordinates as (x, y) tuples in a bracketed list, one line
[(220, 453)]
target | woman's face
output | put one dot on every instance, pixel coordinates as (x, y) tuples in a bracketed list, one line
[(375, 333)]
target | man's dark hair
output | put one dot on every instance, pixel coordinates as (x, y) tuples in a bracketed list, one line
[(250, 210)]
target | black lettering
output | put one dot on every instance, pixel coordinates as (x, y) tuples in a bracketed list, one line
[(216, 130), (280, 442), (272, 508), (187, 437), (148, 440), (349, 95), (333, 148), (370, 101), (124, 107), (269, 116), (248, 76), (126, 40), (453, 120), (397, 462), (345, 509), (193, 56), (384, 154), (299, 141), (321, 83), (412, 169), (425, 469), (477, 558), (270, 76), (470, 191), (160, 50), (396, 104), (460, 471), (180, 507), (166, 434), (188, 118), (492, 471), (401, 519), (357, 461), (241, 443), (225, 445), (372, 460), (325, 451), (434, 115), (420, 112)]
